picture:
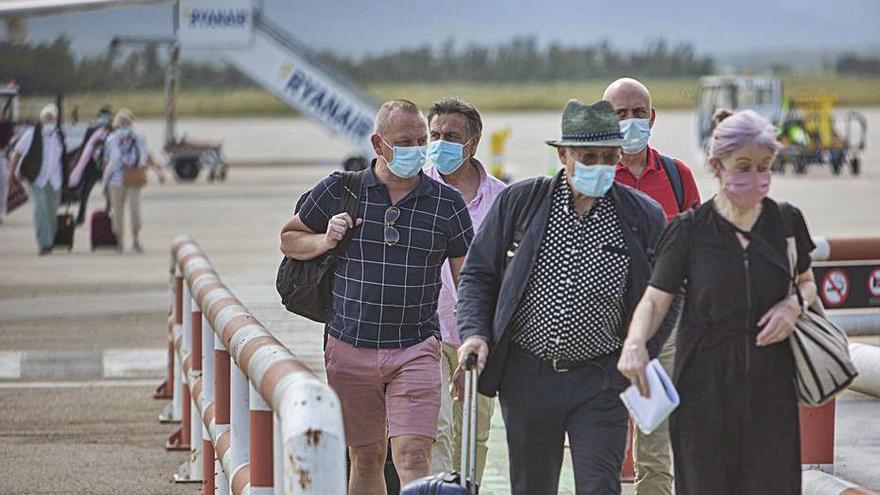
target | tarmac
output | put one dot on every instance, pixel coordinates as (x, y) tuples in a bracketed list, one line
[(82, 334)]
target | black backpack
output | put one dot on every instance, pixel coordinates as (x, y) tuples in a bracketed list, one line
[(675, 180), (306, 287)]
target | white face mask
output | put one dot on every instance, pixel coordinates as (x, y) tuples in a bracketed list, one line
[(637, 131), (49, 127)]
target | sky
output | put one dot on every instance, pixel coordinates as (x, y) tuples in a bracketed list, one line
[(357, 27)]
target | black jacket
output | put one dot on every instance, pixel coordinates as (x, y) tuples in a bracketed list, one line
[(489, 294), (32, 161)]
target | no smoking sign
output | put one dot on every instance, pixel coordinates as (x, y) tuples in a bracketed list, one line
[(874, 282), (835, 287)]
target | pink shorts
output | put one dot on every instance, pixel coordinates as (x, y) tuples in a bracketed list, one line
[(385, 392)]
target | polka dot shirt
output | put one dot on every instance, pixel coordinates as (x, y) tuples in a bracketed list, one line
[(573, 306)]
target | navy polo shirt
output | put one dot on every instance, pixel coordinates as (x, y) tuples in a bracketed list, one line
[(385, 296)]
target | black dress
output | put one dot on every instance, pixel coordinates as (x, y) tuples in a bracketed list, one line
[(736, 431)]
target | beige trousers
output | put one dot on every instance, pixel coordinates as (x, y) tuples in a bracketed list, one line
[(119, 196), (652, 454), (446, 453)]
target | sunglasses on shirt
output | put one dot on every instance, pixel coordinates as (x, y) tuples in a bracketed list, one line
[(392, 235)]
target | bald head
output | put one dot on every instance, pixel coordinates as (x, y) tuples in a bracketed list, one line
[(631, 99)]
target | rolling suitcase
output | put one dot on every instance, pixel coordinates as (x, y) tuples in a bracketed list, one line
[(464, 483), (101, 230), (64, 230)]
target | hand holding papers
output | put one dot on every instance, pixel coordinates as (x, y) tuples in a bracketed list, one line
[(649, 412)]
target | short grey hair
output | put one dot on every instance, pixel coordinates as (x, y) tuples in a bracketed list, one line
[(123, 114), (457, 105), (48, 110), (391, 106)]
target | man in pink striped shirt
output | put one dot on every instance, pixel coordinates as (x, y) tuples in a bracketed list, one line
[(455, 131)]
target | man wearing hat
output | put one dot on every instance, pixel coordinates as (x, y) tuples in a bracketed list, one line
[(546, 311)]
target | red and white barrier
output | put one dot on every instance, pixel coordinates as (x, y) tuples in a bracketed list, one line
[(819, 483), (866, 358), (255, 419), (846, 249)]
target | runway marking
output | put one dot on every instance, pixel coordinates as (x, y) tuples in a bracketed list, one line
[(134, 363), (10, 365), (104, 364)]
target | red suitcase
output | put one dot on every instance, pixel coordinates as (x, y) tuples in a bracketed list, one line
[(17, 195), (101, 231)]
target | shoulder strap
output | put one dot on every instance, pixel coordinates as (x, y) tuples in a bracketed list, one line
[(787, 218), (350, 192), (772, 254), (526, 210), (790, 245), (675, 179), (349, 200)]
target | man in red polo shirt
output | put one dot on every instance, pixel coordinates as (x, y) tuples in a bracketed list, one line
[(670, 183)]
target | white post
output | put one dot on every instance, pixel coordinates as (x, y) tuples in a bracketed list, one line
[(195, 442), (187, 321), (867, 361), (195, 417), (177, 397), (177, 394), (314, 441), (221, 482), (207, 363), (277, 455), (239, 417)]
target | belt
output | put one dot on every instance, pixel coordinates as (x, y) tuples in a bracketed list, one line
[(557, 365)]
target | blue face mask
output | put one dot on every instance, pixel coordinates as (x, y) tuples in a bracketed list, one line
[(592, 180), (407, 160), (638, 129), (446, 156), (124, 130)]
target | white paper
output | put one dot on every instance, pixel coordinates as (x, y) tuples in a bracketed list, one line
[(649, 413)]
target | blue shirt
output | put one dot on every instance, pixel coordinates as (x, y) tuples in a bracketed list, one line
[(385, 296)]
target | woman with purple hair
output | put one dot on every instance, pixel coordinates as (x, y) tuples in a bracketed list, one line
[(736, 429)]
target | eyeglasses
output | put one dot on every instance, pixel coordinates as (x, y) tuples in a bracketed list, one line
[(592, 158), (392, 236)]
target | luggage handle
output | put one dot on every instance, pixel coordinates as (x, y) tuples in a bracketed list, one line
[(469, 424), (470, 362)]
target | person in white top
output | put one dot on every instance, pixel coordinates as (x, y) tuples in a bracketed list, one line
[(126, 147), (37, 158)]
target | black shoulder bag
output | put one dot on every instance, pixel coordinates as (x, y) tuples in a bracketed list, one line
[(823, 367), (306, 287)]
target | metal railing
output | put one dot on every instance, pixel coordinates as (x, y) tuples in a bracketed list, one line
[(254, 418)]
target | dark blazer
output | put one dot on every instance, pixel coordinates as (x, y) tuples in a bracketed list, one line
[(489, 294)]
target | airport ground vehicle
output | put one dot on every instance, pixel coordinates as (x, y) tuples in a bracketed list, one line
[(811, 131)]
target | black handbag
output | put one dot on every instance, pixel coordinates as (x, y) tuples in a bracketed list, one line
[(306, 287)]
